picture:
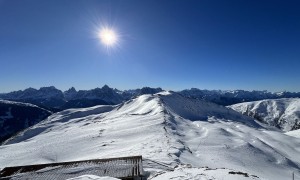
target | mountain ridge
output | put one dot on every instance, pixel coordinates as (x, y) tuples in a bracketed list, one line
[(282, 113), (52, 97), (154, 126), (16, 116)]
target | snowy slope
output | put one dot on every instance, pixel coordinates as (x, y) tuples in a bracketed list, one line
[(92, 177), (16, 116), (282, 113), (204, 173), (167, 129), (186, 172), (295, 133)]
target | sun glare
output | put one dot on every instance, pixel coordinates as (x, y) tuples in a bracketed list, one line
[(108, 37)]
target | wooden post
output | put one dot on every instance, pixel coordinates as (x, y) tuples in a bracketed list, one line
[(293, 176)]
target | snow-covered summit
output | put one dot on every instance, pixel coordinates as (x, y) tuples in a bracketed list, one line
[(282, 113), (194, 109), (167, 129)]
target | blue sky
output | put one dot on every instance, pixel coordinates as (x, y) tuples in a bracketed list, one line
[(208, 44)]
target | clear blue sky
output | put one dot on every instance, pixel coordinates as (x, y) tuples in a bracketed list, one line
[(208, 44)]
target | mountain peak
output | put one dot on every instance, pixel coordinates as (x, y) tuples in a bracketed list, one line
[(72, 89), (30, 89), (149, 90), (106, 87)]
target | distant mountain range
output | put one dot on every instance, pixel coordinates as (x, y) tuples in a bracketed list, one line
[(226, 98), (55, 100)]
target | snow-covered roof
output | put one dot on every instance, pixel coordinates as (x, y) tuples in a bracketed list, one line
[(121, 167)]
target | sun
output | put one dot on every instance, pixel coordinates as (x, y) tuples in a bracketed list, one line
[(108, 37)]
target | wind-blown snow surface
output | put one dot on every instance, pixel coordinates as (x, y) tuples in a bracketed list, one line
[(282, 113), (295, 133), (205, 173), (166, 129), (92, 177)]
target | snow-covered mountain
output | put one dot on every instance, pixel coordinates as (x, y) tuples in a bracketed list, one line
[(236, 96), (170, 131), (50, 97), (15, 116), (282, 113), (56, 100)]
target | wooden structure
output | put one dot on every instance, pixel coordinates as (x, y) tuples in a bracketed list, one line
[(126, 168)]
